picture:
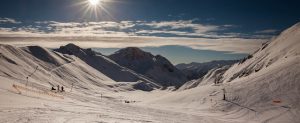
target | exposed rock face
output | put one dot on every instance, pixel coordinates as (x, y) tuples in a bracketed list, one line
[(156, 67)]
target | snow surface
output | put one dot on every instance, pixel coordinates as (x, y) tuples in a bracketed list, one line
[(263, 87), (94, 98)]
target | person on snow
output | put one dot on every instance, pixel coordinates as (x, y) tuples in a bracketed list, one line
[(53, 89), (62, 89)]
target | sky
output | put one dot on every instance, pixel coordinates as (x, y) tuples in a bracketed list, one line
[(219, 29)]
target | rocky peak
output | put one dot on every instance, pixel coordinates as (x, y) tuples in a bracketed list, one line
[(156, 67), (73, 49), (133, 53), (72, 46)]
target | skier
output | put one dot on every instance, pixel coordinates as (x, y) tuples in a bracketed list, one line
[(53, 89), (62, 89)]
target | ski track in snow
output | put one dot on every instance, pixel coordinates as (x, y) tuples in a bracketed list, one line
[(76, 108)]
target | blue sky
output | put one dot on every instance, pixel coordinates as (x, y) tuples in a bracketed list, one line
[(218, 26)]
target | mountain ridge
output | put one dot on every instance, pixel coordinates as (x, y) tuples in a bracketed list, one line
[(196, 70), (106, 66)]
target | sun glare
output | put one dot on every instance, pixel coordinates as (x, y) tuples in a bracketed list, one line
[(94, 2), (95, 9)]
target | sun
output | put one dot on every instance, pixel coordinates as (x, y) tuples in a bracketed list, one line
[(95, 9), (94, 2)]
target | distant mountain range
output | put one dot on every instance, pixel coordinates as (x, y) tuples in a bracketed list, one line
[(197, 70)]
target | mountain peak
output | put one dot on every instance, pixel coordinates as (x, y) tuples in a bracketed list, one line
[(133, 53), (133, 49), (156, 67), (73, 49), (72, 46)]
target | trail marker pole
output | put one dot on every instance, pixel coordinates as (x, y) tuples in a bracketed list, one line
[(224, 96), (26, 81)]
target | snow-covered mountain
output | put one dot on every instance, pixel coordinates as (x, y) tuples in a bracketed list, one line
[(263, 87), (270, 74), (106, 66), (72, 65), (156, 67), (53, 68), (197, 70)]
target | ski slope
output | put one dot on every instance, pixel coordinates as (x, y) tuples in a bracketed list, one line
[(261, 88), (94, 97), (85, 106)]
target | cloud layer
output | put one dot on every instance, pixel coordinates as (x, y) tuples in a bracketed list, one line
[(109, 34)]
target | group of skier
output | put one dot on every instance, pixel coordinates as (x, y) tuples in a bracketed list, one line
[(59, 89)]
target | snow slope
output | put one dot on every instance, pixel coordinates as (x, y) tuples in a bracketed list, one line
[(264, 87), (53, 68), (94, 98), (78, 107), (271, 75)]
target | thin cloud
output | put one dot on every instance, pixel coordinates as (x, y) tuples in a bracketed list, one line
[(8, 20), (180, 28), (182, 25), (267, 31)]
